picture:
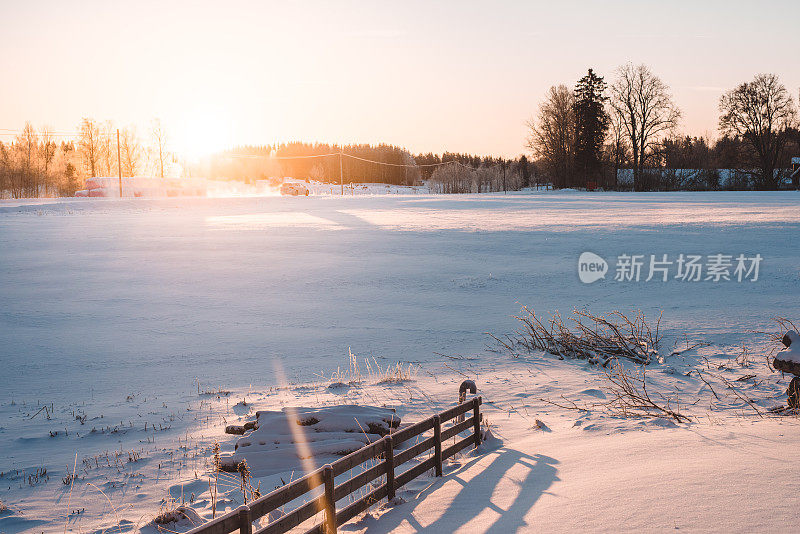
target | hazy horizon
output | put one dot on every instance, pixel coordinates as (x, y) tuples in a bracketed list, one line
[(437, 77)]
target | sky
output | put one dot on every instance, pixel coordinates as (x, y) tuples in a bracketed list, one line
[(430, 76)]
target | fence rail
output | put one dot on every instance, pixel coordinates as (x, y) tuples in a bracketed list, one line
[(242, 518)]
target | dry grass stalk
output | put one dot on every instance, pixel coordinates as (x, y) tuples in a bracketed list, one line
[(217, 467), (596, 338), (743, 359), (373, 373)]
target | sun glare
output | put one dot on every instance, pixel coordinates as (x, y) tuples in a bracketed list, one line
[(201, 133)]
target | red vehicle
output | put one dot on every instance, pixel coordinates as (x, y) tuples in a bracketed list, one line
[(294, 189)]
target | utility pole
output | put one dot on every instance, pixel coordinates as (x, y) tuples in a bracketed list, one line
[(341, 179), (504, 177), (119, 165)]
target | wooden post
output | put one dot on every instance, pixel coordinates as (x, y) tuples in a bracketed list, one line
[(389, 460), (466, 385), (330, 504), (437, 438), (119, 165), (476, 415), (245, 521)]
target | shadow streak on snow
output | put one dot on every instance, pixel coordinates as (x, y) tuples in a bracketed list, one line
[(343, 219), (476, 494)]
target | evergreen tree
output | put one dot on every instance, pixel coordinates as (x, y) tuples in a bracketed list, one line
[(591, 124)]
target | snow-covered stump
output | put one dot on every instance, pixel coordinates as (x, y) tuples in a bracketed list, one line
[(282, 440), (788, 361)]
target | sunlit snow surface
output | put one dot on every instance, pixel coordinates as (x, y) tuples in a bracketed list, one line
[(116, 309)]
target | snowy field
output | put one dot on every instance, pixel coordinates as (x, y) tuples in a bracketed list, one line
[(132, 331)]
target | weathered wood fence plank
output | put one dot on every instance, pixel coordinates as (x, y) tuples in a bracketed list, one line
[(388, 458)]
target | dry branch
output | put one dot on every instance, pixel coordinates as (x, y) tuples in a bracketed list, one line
[(630, 398)]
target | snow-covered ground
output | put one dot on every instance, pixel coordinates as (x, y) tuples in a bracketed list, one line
[(132, 330)]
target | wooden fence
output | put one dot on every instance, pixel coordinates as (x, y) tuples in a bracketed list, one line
[(241, 519)]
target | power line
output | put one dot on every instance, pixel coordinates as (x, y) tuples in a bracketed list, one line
[(52, 133), (401, 164), (43, 129), (267, 156), (14, 133)]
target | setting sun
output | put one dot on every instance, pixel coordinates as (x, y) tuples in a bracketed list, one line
[(200, 132)]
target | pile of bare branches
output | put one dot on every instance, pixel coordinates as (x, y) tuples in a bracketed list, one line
[(598, 339)]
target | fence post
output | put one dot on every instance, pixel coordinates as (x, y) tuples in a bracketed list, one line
[(437, 439), (245, 521), (330, 504), (466, 385), (389, 459), (476, 420)]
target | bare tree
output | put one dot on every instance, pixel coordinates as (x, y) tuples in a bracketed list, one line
[(761, 112), (89, 145), (47, 152), (644, 107), (488, 177), (108, 149), (552, 135), (5, 170), (317, 173), (159, 148), (453, 178), (616, 145), (131, 150), (27, 144)]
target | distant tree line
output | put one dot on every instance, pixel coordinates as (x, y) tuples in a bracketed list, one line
[(617, 136), (623, 136), (43, 163)]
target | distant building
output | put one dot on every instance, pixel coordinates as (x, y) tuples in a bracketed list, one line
[(702, 179)]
